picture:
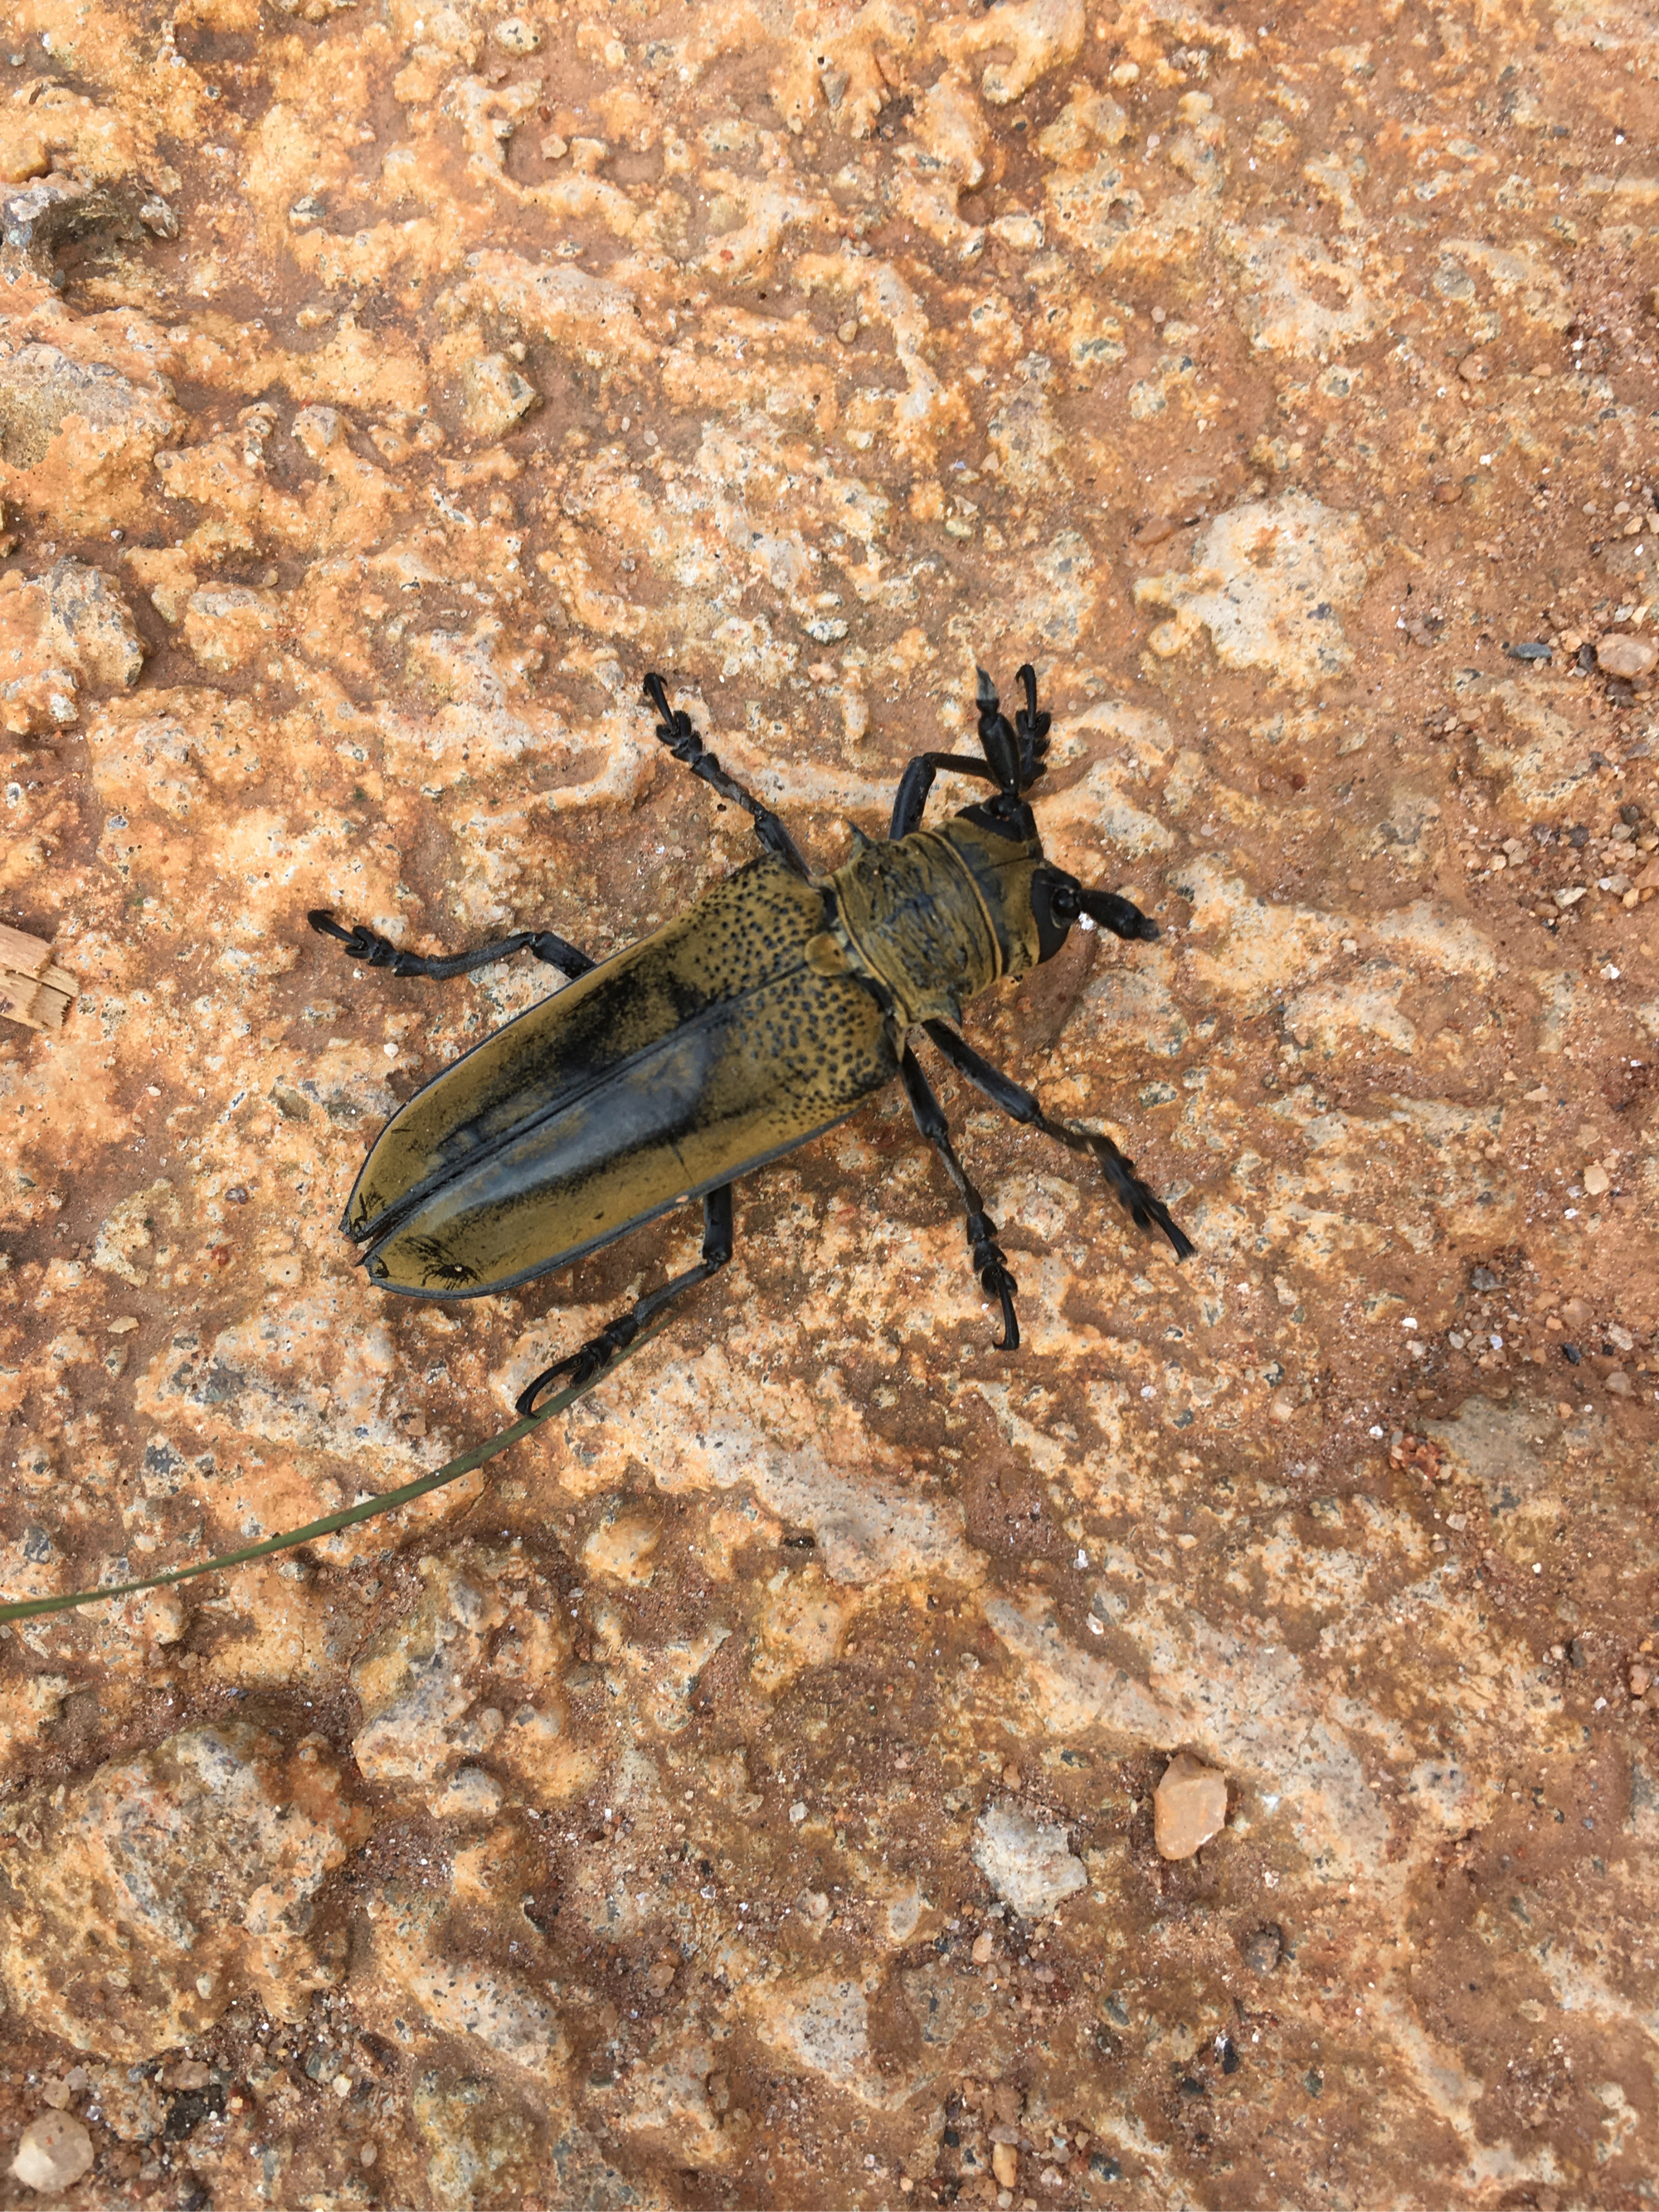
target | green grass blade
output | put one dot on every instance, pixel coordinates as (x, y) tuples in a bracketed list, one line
[(31, 1608)]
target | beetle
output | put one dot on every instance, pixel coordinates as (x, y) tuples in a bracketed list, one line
[(766, 1014)]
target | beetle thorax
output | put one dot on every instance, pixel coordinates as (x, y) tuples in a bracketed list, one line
[(911, 918)]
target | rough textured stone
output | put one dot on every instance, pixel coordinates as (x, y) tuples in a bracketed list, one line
[(53, 2152), (1267, 583), (149, 1894), (412, 1681), (407, 383), (61, 636), (91, 626), (1189, 1806), (1026, 1862), (1627, 656)]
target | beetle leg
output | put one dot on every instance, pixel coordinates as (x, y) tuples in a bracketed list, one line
[(1143, 1207), (1014, 754), (599, 1351), (990, 1261), (1032, 727), (917, 782), (676, 732), (374, 950)]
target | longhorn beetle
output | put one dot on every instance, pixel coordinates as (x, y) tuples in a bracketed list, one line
[(762, 1017)]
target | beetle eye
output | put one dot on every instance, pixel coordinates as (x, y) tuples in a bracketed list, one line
[(1054, 908)]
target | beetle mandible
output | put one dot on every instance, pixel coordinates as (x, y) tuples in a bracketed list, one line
[(765, 1015)]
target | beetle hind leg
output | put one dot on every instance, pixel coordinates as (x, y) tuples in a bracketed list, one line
[(374, 950), (990, 1261), (675, 730), (1138, 1200), (596, 1354)]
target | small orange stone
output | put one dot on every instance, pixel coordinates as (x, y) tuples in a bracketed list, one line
[(1189, 1806)]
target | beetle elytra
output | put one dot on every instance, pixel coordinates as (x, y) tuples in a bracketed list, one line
[(769, 1011)]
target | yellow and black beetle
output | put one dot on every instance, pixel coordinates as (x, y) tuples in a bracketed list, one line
[(765, 1015)]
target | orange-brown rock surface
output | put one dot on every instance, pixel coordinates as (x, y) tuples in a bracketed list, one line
[(654, 1819)]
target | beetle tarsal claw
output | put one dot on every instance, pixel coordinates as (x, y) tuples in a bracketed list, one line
[(1142, 1204), (583, 1364), (364, 943), (991, 1265), (525, 1404)]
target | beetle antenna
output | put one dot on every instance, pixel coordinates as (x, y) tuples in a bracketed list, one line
[(1032, 730), (1069, 902), (996, 737)]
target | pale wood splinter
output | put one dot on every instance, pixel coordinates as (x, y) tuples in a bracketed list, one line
[(32, 990)]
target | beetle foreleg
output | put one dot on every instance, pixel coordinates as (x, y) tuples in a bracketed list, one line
[(1031, 726), (990, 1261), (599, 1351), (1145, 1208), (676, 732), (917, 781), (374, 950)]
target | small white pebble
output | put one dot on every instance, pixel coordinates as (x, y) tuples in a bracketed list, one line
[(52, 2153), (515, 36)]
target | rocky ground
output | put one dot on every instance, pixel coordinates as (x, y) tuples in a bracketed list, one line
[(747, 1793)]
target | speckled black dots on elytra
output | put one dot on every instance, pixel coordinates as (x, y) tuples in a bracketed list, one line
[(769, 1013)]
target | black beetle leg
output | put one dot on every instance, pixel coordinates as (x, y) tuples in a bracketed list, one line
[(917, 781), (374, 950), (599, 1351), (1144, 1208), (676, 732), (1014, 754), (990, 1261)]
